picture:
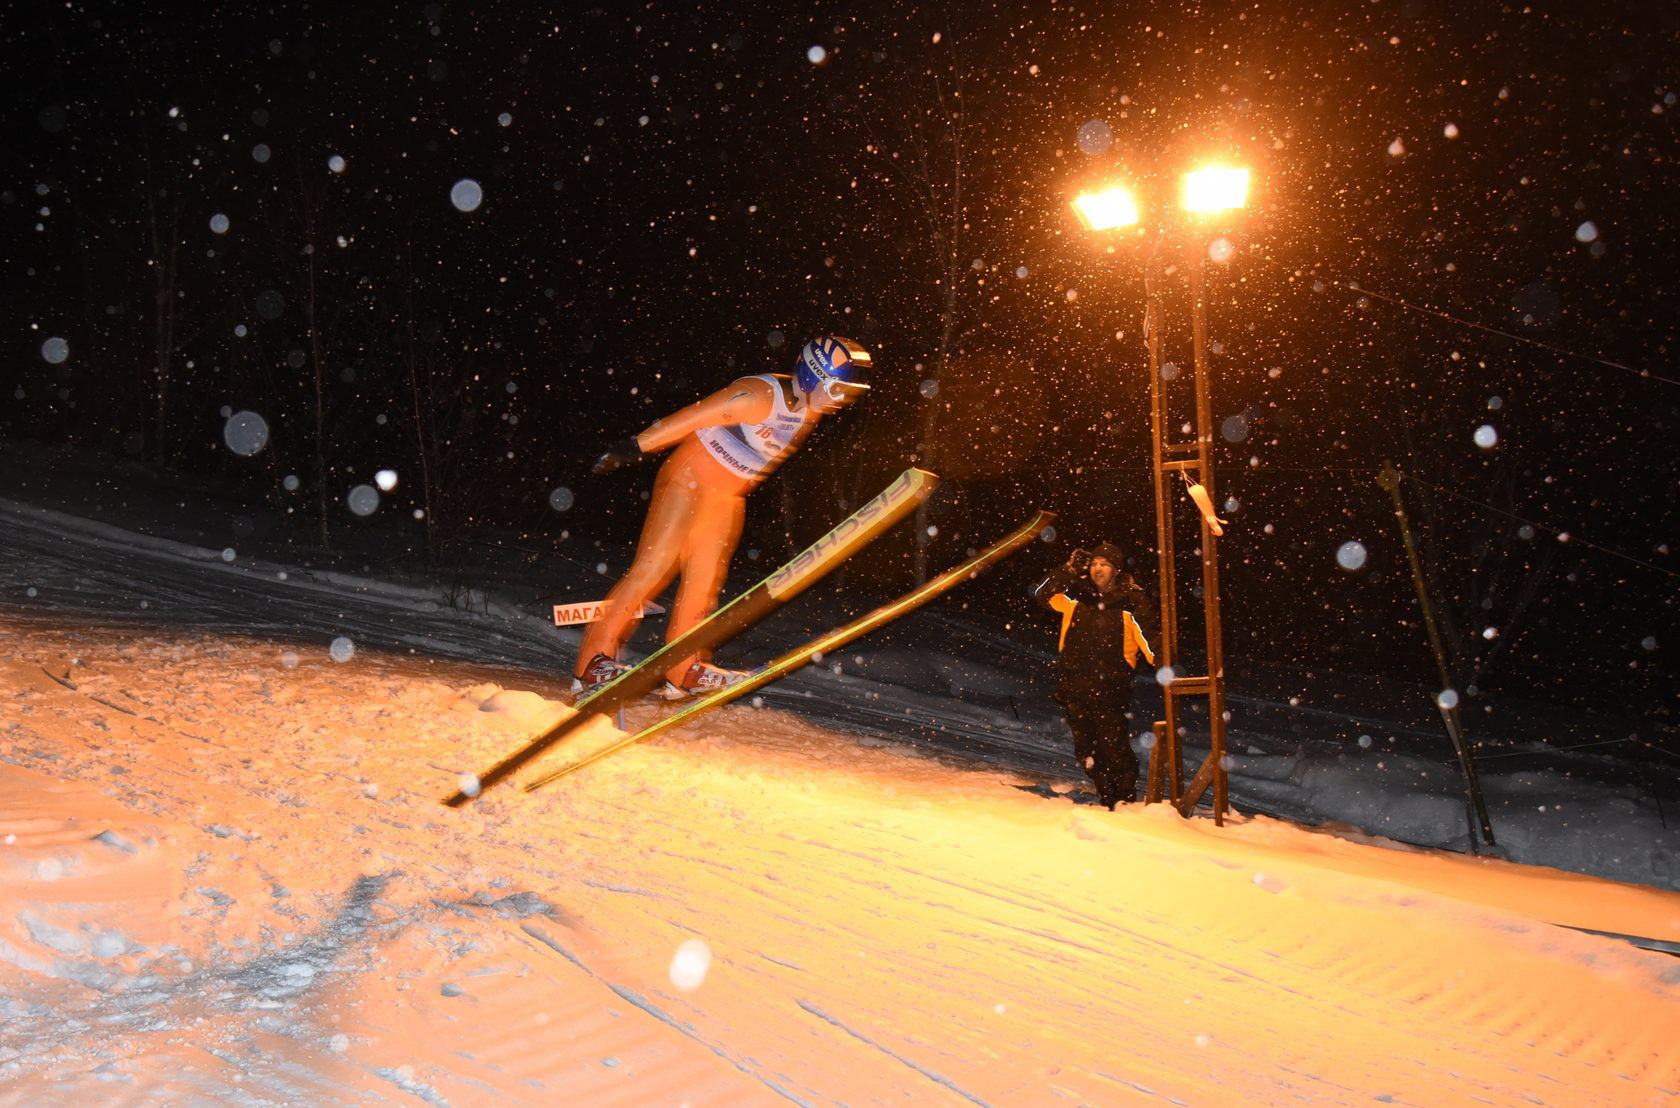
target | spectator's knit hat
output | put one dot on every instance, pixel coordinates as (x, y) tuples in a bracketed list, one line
[(1111, 553)]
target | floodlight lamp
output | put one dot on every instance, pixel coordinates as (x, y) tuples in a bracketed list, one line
[(1215, 190), (1106, 210)]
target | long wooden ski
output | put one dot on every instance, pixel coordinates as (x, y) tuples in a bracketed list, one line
[(888, 507), (817, 647)]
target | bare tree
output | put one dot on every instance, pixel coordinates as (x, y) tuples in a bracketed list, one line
[(1478, 558), (163, 255)]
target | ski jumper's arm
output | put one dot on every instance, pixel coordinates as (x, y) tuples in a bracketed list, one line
[(748, 400)]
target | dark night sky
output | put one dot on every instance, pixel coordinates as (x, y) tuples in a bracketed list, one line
[(1460, 220)]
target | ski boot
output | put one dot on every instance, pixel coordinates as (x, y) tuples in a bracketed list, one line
[(702, 677), (598, 672)]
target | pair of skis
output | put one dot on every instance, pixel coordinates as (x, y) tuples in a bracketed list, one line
[(818, 647), (855, 532)]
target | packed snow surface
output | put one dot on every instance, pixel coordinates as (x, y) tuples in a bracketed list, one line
[(229, 880)]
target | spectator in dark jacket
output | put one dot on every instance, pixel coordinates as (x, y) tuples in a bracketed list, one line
[(1102, 637)]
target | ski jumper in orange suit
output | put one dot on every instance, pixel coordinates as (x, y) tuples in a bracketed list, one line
[(725, 446)]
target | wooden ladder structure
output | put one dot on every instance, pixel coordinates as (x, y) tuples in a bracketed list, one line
[(1192, 461)]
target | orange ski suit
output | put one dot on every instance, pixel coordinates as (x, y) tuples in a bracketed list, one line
[(698, 506)]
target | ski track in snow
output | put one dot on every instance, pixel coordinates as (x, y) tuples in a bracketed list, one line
[(863, 906), (233, 884)]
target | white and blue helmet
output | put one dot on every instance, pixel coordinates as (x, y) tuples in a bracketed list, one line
[(840, 367)]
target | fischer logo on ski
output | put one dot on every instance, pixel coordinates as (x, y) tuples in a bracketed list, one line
[(817, 559)]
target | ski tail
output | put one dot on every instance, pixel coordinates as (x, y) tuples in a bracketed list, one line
[(833, 640), (854, 532)]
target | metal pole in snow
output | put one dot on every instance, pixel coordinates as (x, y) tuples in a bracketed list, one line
[(1476, 810)]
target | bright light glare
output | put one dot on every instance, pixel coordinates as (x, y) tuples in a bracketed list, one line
[(1104, 211), (1214, 190)]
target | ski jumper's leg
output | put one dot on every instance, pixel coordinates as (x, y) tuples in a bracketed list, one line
[(707, 549), (671, 512)]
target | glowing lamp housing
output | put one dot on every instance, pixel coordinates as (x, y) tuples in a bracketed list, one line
[(1215, 190), (1106, 210)]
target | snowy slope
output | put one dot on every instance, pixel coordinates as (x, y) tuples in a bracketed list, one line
[(934, 684), (232, 883)]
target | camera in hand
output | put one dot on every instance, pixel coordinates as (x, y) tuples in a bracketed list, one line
[(1079, 561)]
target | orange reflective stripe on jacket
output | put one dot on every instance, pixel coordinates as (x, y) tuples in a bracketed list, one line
[(1135, 642)]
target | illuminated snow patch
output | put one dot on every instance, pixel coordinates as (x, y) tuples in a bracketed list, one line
[(561, 499), (342, 649), (1447, 698), (1220, 250), (1486, 437), (261, 153), (336, 163), (1351, 555), (469, 784), (1587, 232), (386, 479), (55, 350), (219, 223)]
